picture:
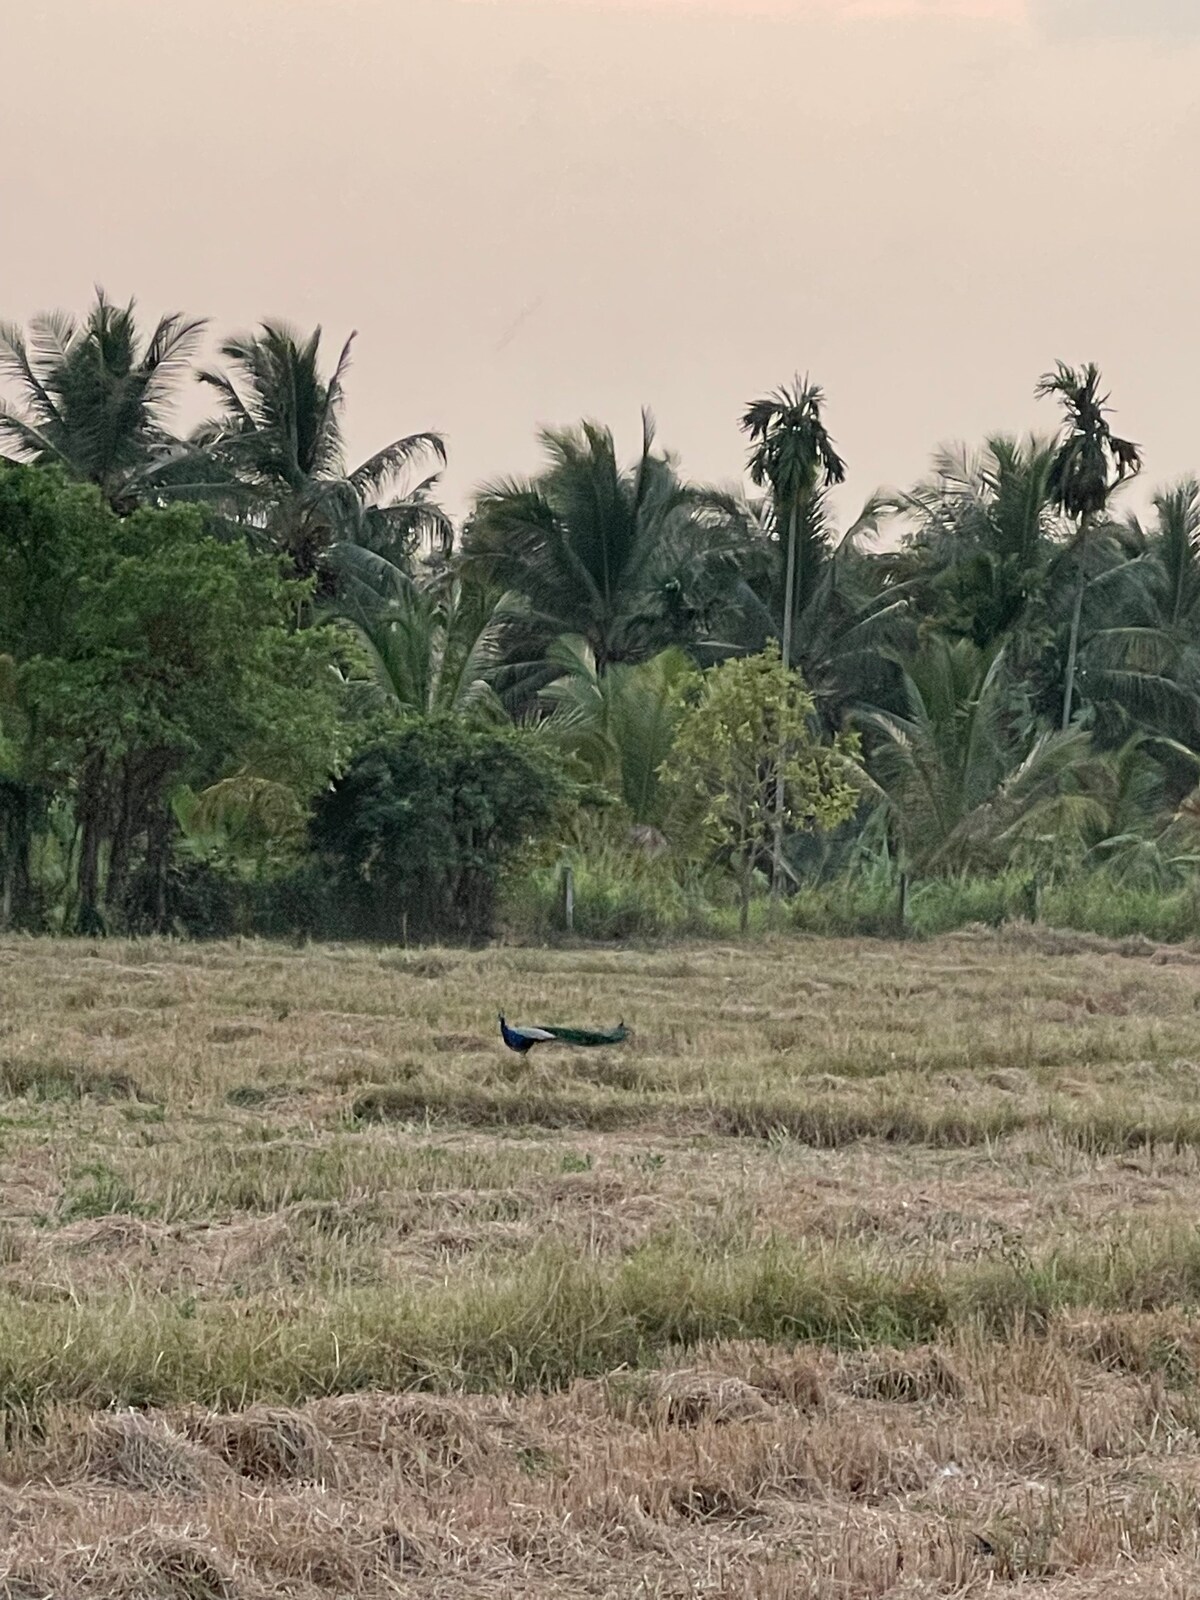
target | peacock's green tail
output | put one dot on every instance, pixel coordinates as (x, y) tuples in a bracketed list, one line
[(581, 1036)]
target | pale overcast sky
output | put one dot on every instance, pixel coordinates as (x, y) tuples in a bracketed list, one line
[(532, 211)]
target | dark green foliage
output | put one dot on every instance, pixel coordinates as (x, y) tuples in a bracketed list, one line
[(93, 396), (142, 655), (630, 560), (47, 529), (178, 682), (276, 448), (983, 537), (417, 830), (1091, 460)]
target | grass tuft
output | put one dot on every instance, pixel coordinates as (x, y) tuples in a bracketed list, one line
[(54, 1080)]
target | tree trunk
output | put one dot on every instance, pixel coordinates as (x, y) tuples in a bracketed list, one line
[(1076, 618), (1033, 898), (158, 860), (70, 882), (747, 879), (789, 602), (89, 920), (90, 820), (902, 908), (119, 853), (1072, 656)]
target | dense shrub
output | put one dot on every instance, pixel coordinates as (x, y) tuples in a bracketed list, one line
[(414, 835)]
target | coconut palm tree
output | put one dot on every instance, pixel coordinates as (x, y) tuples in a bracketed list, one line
[(963, 783), (981, 536), (1142, 658), (619, 725), (93, 397), (425, 646), (630, 560), (278, 437), (1090, 463), (793, 456)]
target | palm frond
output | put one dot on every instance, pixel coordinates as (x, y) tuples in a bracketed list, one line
[(375, 475)]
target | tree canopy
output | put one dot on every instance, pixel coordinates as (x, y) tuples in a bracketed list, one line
[(235, 667)]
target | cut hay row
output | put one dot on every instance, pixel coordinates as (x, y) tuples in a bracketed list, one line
[(950, 1468)]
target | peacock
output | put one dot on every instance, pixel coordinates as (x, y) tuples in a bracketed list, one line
[(522, 1040)]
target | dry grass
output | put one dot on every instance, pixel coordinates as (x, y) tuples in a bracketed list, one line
[(862, 1271)]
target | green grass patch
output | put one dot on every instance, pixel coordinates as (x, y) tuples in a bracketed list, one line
[(554, 1319), (485, 1108), (823, 1121), (55, 1080)]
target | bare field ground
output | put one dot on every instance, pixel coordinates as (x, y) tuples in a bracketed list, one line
[(861, 1271)]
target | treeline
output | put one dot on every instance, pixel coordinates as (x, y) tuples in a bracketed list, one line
[(246, 686)]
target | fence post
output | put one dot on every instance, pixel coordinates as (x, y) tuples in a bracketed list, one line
[(567, 887), (1034, 893), (902, 907)]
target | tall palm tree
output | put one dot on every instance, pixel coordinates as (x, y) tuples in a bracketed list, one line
[(278, 437), (851, 617), (793, 456), (94, 396), (1090, 463), (628, 559)]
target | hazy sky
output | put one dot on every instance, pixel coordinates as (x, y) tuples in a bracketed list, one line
[(532, 211)]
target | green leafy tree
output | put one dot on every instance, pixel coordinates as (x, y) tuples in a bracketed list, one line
[(49, 531), (1089, 464), (23, 804), (94, 396), (174, 665), (630, 560), (793, 456), (278, 442), (748, 730), (418, 829)]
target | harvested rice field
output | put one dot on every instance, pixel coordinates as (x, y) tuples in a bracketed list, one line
[(860, 1271)]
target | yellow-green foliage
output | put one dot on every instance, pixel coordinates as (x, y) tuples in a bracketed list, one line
[(750, 722)]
